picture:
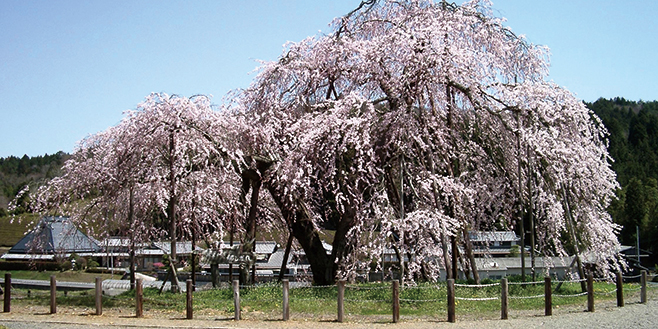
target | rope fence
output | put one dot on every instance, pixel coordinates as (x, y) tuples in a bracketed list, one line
[(526, 283), (356, 295), (571, 281), (569, 296), (477, 299), (527, 297), (477, 285), (631, 277), (605, 292)]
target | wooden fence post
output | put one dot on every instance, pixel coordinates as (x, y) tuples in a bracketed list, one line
[(53, 295), (139, 299), (189, 288), (99, 296), (236, 299), (286, 299), (396, 301), (451, 300), (504, 302), (643, 287), (620, 290), (7, 306), (548, 297), (590, 293), (341, 300)]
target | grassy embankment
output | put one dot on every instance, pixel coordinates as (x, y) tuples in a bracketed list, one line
[(11, 231)]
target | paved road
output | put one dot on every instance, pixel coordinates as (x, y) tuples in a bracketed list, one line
[(607, 315)]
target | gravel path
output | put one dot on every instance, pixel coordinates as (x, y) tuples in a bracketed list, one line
[(607, 315)]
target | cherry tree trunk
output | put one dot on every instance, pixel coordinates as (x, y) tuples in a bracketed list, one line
[(301, 224), (250, 180), (468, 248), (171, 213), (286, 254)]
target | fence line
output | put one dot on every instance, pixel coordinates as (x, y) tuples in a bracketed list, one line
[(605, 292), (436, 286), (477, 299), (574, 295), (525, 283), (279, 293), (367, 300), (527, 297), (608, 280), (421, 300), (571, 281), (477, 285), (365, 288), (628, 277)]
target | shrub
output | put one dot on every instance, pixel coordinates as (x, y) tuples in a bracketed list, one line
[(65, 266)]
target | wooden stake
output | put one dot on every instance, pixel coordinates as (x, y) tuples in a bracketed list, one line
[(53, 295), (236, 299), (7, 305), (590, 293), (504, 302), (99, 296), (341, 299), (643, 288), (620, 290), (548, 297), (451, 300), (139, 299), (190, 288), (396, 301), (286, 304)]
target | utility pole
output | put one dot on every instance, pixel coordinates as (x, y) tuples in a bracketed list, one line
[(637, 243)]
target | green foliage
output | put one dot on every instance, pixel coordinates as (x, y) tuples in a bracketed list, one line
[(16, 173), (92, 264), (633, 128), (633, 144), (65, 266)]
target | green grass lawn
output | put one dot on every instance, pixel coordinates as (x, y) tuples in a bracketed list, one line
[(13, 231)]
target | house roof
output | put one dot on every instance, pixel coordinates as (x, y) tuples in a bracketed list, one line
[(164, 247), (262, 247), (275, 260), (495, 264), (491, 236), (55, 235)]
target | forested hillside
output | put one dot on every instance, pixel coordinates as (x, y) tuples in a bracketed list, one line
[(633, 128), (16, 172)]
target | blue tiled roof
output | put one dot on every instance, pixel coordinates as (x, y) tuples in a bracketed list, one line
[(55, 235)]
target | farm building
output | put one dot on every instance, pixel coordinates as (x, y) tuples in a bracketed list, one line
[(53, 237)]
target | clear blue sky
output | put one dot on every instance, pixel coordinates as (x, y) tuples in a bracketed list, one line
[(70, 68)]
